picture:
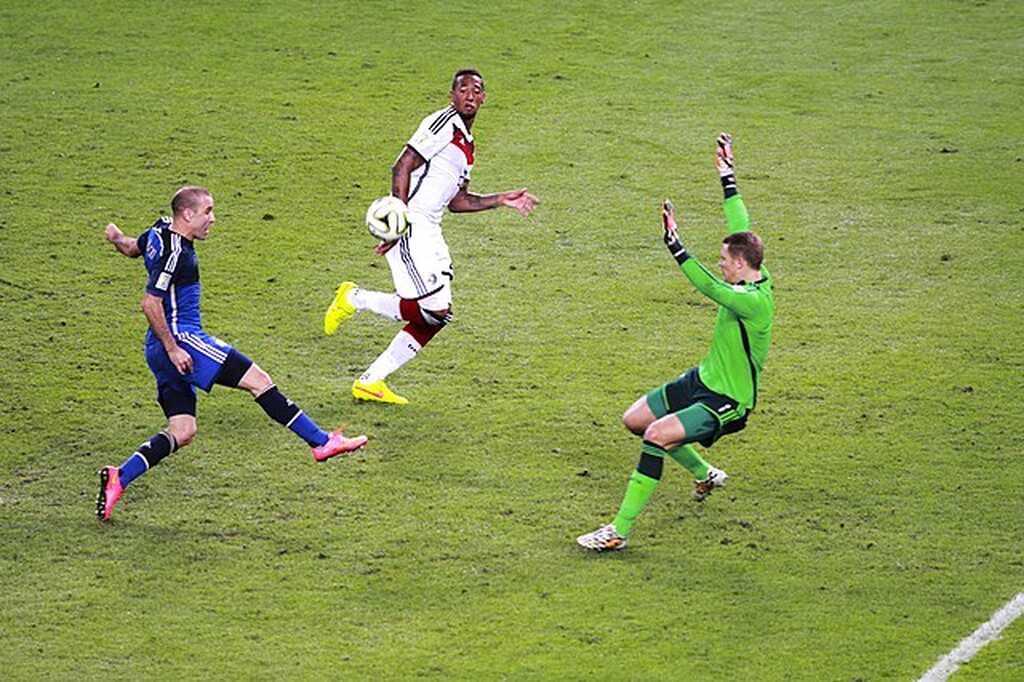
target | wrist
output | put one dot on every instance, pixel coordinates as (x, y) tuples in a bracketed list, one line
[(675, 246), (729, 184)]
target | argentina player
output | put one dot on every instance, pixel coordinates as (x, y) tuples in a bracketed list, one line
[(430, 175), (183, 357)]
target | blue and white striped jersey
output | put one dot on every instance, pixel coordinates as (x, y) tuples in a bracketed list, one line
[(173, 276)]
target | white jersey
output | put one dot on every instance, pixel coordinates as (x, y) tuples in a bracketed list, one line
[(445, 143)]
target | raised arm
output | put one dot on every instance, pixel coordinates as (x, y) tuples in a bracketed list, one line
[(736, 298), (126, 245), (736, 217)]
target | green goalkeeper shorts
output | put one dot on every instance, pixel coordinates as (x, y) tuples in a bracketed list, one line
[(705, 415)]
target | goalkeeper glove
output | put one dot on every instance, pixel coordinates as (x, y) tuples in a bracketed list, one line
[(723, 158), (671, 236), (725, 164)]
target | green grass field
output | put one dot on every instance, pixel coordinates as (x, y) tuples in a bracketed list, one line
[(874, 514)]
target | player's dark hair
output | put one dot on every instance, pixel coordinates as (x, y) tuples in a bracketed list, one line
[(187, 197), (747, 246), (467, 72)]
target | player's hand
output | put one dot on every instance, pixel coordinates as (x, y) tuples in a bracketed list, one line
[(724, 161), (113, 233), (181, 360), (668, 215), (384, 247), (520, 200), (671, 235)]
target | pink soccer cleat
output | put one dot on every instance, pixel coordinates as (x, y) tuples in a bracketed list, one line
[(110, 492), (337, 444)]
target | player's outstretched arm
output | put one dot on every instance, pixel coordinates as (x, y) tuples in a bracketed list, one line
[(469, 202), (126, 245), (521, 200), (702, 279), (736, 216)]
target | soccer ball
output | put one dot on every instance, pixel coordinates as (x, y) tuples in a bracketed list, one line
[(387, 218)]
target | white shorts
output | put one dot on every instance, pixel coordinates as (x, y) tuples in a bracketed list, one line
[(421, 267)]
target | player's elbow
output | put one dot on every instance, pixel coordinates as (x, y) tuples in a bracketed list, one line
[(149, 304), (707, 290)]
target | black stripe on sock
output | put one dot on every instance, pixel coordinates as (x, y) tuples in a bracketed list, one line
[(651, 465), (729, 185)]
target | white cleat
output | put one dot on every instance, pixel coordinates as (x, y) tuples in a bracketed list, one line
[(716, 479), (604, 539)]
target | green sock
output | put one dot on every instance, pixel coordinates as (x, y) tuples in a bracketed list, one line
[(638, 492), (687, 456)]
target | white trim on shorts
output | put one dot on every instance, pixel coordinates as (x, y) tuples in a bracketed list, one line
[(209, 350)]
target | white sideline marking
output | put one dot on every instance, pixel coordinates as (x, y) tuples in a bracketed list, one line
[(969, 646)]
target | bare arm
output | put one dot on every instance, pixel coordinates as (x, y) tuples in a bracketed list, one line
[(470, 202), (153, 307), (401, 172), (126, 245)]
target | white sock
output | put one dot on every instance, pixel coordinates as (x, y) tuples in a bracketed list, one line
[(401, 350), (378, 302)]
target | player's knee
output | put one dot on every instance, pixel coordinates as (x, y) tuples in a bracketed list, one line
[(261, 379), (634, 422), (659, 433), (183, 434), (256, 381)]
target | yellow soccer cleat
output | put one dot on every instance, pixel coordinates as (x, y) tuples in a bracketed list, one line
[(378, 391), (340, 309)]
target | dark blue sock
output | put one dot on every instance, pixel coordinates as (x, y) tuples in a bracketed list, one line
[(146, 457), (308, 430), (132, 468), (288, 414)]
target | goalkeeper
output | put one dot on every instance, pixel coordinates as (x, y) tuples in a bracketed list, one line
[(716, 397)]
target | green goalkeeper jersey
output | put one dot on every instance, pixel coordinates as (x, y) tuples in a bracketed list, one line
[(743, 329)]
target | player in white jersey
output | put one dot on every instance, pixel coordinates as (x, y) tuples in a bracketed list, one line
[(431, 174)]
